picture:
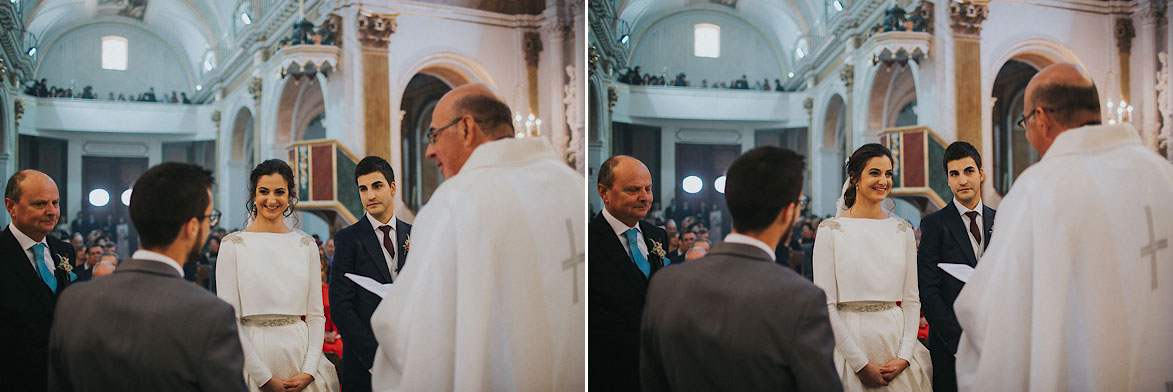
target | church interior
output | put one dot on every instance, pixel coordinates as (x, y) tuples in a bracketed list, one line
[(94, 92), (686, 86)]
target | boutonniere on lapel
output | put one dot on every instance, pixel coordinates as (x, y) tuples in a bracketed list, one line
[(63, 264), (406, 245), (657, 249)]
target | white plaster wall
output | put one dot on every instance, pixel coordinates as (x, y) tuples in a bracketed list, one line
[(75, 59), (666, 48), (1062, 35)]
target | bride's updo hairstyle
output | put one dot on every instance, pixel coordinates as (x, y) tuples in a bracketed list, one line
[(266, 168), (855, 165)]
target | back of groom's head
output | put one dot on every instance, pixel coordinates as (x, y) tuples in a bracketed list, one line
[(165, 198), (760, 184)]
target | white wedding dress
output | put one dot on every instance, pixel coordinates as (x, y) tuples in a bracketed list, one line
[(273, 281), (865, 266)]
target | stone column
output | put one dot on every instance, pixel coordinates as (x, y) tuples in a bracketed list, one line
[(847, 75), (1125, 32), (255, 89), (966, 20), (374, 30)]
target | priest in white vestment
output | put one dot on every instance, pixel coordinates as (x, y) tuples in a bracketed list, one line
[(494, 296), (1075, 291)]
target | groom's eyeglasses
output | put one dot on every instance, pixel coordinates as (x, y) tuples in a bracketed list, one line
[(434, 132), (213, 219)]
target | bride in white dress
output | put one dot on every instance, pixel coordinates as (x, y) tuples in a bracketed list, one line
[(271, 276), (865, 261)]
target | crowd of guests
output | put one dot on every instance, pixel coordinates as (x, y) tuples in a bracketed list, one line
[(41, 88), (633, 77)]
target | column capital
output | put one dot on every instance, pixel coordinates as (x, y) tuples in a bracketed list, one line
[(374, 30), (966, 18)]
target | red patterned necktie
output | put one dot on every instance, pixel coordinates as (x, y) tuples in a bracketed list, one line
[(973, 227), (387, 243)]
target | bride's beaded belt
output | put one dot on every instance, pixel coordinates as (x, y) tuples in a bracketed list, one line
[(269, 321), (865, 306)]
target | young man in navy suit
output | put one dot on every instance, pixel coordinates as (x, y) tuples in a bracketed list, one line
[(955, 234), (375, 247)]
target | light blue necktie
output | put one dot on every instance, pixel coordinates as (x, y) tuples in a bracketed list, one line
[(636, 256), (39, 255)]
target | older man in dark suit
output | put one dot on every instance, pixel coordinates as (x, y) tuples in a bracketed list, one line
[(374, 247), (625, 252), (34, 271), (956, 234), (735, 320), (144, 328)]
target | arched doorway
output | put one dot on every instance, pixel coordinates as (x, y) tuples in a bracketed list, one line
[(891, 104), (1012, 152), (421, 176), (833, 151), (301, 112), (241, 161), (892, 99)]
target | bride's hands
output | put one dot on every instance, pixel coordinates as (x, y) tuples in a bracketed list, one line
[(871, 376), (273, 385), (298, 382), (893, 368)]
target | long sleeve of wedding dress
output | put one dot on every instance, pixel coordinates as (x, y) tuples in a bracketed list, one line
[(229, 291), (824, 275), (315, 319), (910, 300)]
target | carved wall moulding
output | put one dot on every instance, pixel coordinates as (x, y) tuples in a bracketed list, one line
[(1125, 32), (532, 45), (17, 110), (374, 30), (966, 18), (612, 97), (254, 88), (847, 75)]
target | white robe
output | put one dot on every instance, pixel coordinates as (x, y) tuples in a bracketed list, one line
[(1064, 297), (493, 298)]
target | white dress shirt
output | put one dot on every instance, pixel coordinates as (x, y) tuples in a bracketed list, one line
[(735, 238), (391, 264), (143, 254), (620, 228), (27, 243), (977, 248)]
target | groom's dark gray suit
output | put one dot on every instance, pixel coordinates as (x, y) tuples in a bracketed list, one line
[(736, 321), (144, 328)]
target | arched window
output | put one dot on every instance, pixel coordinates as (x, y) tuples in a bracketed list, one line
[(209, 61), (707, 40), (243, 16), (114, 53)]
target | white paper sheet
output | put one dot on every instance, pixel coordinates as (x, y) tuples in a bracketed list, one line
[(960, 271), (371, 285)]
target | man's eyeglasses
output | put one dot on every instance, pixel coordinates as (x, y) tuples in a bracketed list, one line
[(434, 132), (213, 219), (1022, 119)]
